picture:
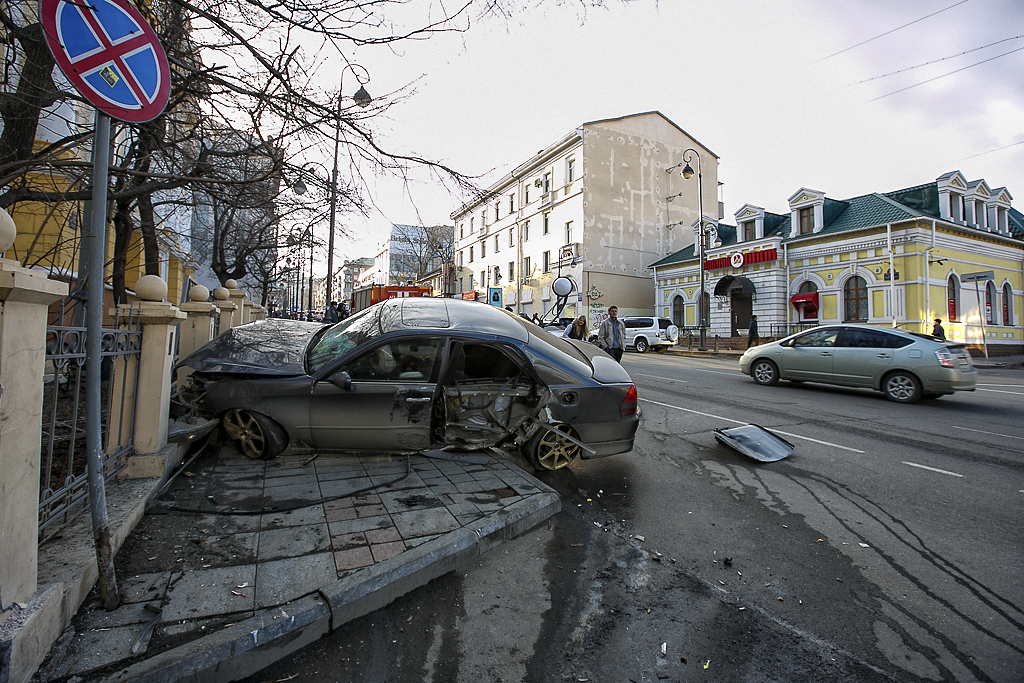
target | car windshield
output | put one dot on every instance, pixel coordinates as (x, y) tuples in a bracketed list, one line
[(343, 337)]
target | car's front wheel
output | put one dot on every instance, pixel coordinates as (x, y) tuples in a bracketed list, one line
[(641, 345), (765, 372), (549, 450), (901, 387), (256, 435)]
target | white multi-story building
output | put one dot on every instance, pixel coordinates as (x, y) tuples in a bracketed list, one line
[(599, 205)]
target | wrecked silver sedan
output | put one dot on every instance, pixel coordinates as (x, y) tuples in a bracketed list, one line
[(408, 375)]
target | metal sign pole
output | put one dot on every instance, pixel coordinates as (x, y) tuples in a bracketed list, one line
[(981, 317), (93, 242)]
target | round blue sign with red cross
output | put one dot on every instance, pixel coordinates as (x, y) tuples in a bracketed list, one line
[(110, 54)]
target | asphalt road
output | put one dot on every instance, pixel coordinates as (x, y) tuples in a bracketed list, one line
[(887, 547)]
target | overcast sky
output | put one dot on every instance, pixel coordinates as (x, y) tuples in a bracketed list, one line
[(759, 83)]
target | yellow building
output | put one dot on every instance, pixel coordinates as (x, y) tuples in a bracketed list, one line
[(951, 249)]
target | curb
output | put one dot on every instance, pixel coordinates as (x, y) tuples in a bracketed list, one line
[(254, 644)]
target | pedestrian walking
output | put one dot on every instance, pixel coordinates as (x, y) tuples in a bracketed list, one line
[(331, 314), (753, 339), (611, 336), (937, 330), (578, 329)]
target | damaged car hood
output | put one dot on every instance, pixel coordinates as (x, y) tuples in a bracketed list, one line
[(268, 348)]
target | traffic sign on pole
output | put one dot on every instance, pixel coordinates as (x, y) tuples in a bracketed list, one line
[(110, 54)]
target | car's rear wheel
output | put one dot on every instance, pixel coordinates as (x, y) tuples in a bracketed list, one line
[(256, 435), (549, 450), (765, 372), (641, 345), (901, 387)]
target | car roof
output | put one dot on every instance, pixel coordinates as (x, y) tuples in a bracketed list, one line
[(426, 313), (867, 326)]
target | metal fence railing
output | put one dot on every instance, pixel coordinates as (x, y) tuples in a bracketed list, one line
[(63, 484)]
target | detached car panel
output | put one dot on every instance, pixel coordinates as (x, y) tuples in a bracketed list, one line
[(407, 375)]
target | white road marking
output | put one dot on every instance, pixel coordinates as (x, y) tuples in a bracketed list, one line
[(932, 469), (667, 379), (1015, 386), (981, 431), (1000, 391), (777, 431)]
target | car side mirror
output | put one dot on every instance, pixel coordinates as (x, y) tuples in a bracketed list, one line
[(342, 380)]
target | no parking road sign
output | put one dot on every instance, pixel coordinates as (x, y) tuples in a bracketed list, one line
[(110, 54)]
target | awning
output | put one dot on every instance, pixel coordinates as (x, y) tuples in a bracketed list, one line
[(808, 298), (734, 284)]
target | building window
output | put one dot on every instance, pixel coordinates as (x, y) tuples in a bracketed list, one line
[(462, 230), (568, 232), (526, 231), (483, 249), (527, 272), (471, 228), (1007, 305), (497, 274), (497, 243), (546, 262), (526, 192), (570, 170), (511, 243), (483, 278), (748, 232), (511, 203), (461, 289), (497, 210), (990, 302), (546, 225), (471, 254), (470, 287), (953, 299), (483, 220), (810, 311), (460, 259), (807, 220), (677, 312), (511, 270), (546, 183), (855, 298)]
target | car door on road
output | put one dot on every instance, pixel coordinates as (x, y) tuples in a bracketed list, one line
[(387, 403), (809, 355), (861, 355)]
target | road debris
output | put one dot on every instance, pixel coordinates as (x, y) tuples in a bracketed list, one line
[(755, 442)]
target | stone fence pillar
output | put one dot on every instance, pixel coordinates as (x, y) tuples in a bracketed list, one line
[(153, 396), (237, 297), (228, 310), (24, 298)]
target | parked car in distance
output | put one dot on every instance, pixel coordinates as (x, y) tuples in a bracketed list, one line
[(643, 333), (905, 366), (412, 374)]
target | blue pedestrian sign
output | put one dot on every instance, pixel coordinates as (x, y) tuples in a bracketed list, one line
[(110, 54)]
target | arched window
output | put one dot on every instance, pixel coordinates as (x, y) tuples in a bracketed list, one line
[(677, 311), (1007, 305), (808, 310), (990, 303), (855, 298), (808, 287), (953, 299)]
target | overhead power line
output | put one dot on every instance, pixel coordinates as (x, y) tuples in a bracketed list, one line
[(946, 74), (997, 149), (864, 42), (936, 61)]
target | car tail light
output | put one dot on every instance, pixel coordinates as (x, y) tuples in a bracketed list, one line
[(947, 358), (628, 406)]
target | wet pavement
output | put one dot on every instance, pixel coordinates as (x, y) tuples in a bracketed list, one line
[(243, 562)]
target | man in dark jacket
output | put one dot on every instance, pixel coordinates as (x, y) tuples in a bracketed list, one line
[(937, 330), (752, 337)]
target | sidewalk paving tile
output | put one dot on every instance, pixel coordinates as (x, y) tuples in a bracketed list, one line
[(209, 592), (295, 541), (289, 579)]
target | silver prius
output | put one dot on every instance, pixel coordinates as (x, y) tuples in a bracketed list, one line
[(905, 366)]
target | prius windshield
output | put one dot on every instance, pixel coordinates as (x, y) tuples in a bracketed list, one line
[(342, 337)]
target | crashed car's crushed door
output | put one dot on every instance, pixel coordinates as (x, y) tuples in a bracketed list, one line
[(388, 403), (487, 393)]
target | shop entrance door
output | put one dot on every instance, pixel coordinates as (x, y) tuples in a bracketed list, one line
[(742, 308)]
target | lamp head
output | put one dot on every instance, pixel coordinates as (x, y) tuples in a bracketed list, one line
[(299, 186), (687, 171), (362, 98)]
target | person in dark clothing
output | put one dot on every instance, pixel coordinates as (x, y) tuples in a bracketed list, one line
[(937, 330), (752, 337), (331, 314), (578, 329)]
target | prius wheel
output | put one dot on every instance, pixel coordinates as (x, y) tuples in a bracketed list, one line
[(902, 387), (765, 372), (256, 435), (549, 450)]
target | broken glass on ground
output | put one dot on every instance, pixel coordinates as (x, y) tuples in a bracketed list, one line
[(755, 442)]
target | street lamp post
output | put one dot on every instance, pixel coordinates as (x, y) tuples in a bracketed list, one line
[(687, 173), (363, 99)]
